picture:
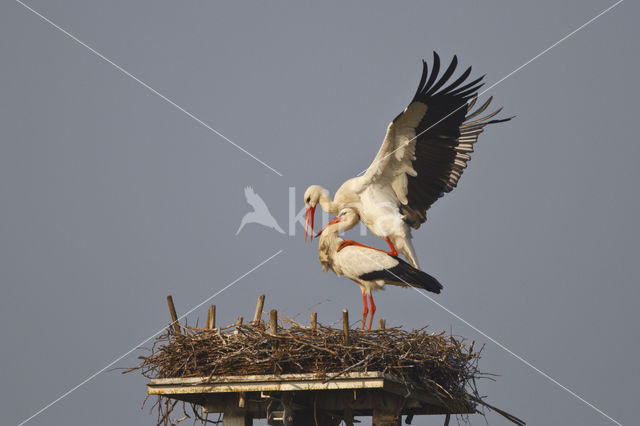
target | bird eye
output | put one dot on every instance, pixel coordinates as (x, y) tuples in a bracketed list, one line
[(308, 199)]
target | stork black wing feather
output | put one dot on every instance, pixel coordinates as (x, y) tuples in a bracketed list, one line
[(466, 86), (434, 73), (423, 79), (405, 274), (447, 74), (456, 83), (444, 137)]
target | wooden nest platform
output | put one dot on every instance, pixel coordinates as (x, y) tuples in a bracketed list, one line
[(292, 374)]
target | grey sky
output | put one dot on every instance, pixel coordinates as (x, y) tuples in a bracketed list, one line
[(111, 198)]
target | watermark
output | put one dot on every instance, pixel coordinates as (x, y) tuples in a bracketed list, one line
[(261, 215)]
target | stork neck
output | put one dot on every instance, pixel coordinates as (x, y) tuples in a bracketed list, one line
[(327, 249), (328, 205), (329, 241)]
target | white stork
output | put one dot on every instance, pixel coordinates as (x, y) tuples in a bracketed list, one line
[(423, 155), (369, 267)]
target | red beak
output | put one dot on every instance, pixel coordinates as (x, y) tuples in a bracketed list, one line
[(334, 220), (311, 212)]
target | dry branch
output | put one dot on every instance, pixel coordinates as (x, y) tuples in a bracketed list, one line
[(436, 362)]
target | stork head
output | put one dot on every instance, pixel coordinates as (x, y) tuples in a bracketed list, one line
[(346, 219), (312, 197)]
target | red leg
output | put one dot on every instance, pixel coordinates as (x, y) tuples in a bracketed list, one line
[(355, 243), (393, 251), (365, 310), (373, 310), (347, 243)]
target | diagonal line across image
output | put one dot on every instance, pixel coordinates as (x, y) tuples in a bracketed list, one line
[(145, 85), (499, 344), (129, 351), (499, 81)]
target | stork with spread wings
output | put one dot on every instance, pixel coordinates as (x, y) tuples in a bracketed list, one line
[(423, 155)]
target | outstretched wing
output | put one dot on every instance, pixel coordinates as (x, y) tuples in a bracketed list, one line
[(428, 145)]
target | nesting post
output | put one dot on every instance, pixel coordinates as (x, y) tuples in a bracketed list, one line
[(381, 324), (238, 324), (345, 326), (174, 315), (273, 321), (258, 315), (313, 320), (211, 317)]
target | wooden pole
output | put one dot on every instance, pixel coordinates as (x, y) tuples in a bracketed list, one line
[(345, 326), (381, 324), (236, 417), (313, 320), (174, 316), (348, 416), (211, 317), (273, 321), (258, 315)]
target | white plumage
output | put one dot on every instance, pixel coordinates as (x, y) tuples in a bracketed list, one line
[(423, 155), (370, 268)]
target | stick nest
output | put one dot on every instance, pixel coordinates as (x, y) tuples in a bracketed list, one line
[(435, 362)]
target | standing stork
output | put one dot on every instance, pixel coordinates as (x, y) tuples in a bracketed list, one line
[(369, 267), (422, 157)]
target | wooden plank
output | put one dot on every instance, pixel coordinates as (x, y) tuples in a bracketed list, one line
[(400, 389), (267, 377), (373, 380), (267, 384), (265, 387)]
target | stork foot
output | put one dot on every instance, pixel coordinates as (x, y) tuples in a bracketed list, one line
[(393, 251)]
